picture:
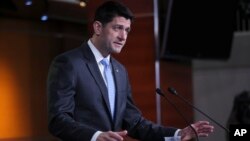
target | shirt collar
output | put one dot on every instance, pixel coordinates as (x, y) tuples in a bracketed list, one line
[(96, 52)]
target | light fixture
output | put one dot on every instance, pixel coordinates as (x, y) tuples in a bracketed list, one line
[(82, 3), (28, 2), (44, 17)]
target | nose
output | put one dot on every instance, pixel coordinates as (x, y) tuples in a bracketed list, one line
[(123, 35)]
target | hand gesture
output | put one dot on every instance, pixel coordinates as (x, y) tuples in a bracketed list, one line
[(112, 136), (203, 129)]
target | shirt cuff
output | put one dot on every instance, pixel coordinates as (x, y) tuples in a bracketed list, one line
[(176, 137), (177, 132), (94, 137)]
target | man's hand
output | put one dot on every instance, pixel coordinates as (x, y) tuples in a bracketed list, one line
[(203, 129), (112, 136)]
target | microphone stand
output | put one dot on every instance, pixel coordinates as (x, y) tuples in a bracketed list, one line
[(174, 92), (158, 91)]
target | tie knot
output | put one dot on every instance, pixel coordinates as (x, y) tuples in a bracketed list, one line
[(105, 62)]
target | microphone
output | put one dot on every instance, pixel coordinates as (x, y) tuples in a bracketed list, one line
[(159, 91), (174, 92)]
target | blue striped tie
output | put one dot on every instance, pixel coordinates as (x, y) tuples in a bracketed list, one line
[(110, 84)]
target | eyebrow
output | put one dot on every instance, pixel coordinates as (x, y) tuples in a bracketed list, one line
[(126, 28)]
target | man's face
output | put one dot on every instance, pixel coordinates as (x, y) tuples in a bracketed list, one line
[(114, 34)]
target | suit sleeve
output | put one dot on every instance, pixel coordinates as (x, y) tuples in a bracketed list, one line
[(140, 128), (61, 85)]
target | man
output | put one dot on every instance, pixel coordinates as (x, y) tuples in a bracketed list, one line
[(89, 95)]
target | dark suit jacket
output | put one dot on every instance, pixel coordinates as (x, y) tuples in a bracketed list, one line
[(78, 104)]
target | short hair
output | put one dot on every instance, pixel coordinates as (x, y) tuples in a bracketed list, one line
[(110, 9)]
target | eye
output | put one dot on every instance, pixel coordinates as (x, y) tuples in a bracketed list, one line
[(120, 28), (117, 27), (128, 30)]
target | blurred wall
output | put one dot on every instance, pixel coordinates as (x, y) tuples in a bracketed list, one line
[(26, 50), (216, 83)]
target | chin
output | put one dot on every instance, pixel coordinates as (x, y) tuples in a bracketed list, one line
[(116, 50)]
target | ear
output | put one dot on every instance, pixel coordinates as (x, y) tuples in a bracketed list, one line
[(97, 26)]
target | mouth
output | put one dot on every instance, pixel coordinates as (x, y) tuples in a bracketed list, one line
[(118, 43)]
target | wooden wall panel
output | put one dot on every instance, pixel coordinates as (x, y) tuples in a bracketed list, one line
[(26, 51), (14, 86), (179, 76)]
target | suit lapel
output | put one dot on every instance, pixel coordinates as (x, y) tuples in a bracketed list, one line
[(118, 82), (96, 74)]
